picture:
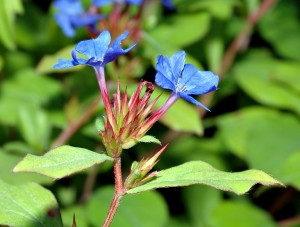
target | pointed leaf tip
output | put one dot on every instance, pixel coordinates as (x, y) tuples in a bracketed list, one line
[(198, 172)]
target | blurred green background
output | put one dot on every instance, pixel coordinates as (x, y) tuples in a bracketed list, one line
[(254, 121)]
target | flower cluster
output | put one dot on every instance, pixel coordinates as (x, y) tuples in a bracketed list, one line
[(166, 3), (127, 120), (70, 15), (129, 115)]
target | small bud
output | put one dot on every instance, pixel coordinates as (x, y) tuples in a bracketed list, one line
[(139, 171)]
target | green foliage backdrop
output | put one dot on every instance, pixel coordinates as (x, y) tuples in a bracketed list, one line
[(255, 48)]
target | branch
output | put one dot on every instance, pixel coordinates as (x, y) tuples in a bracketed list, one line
[(67, 133), (237, 45)]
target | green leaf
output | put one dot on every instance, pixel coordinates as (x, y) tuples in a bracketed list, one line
[(291, 169), (269, 81), (230, 213), (61, 162), (178, 221), (8, 161), (48, 61), (146, 209), (200, 202), (66, 195), (189, 148), (18, 147), (80, 216), (1, 62), (217, 8), (184, 29), (19, 61), (149, 139), (28, 205), (34, 127), (26, 88), (198, 172), (264, 138), (276, 24), (214, 49), (154, 47), (8, 9)]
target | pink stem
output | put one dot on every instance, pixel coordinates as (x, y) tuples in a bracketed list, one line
[(104, 93), (119, 192), (155, 117)]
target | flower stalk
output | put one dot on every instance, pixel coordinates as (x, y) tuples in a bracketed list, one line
[(118, 194), (104, 94)]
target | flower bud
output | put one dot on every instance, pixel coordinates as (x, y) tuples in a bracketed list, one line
[(139, 171)]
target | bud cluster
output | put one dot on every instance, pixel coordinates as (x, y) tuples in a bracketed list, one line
[(127, 125)]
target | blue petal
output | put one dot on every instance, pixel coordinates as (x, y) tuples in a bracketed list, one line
[(96, 51), (134, 2), (177, 64), (168, 3), (169, 70), (65, 24), (115, 49), (70, 7), (71, 15), (171, 67), (163, 67), (100, 3), (192, 100), (63, 64), (95, 47), (85, 19), (198, 82), (164, 82)]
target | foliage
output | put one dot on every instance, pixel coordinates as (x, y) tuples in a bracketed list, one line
[(253, 123)]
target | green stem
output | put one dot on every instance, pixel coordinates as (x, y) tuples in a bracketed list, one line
[(119, 192)]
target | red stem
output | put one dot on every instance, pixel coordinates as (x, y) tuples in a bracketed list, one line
[(119, 192)]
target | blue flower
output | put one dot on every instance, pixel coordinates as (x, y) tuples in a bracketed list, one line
[(184, 79), (99, 3), (98, 52), (71, 15), (168, 3)]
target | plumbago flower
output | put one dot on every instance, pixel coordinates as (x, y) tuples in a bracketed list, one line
[(98, 53), (70, 15), (183, 80), (99, 3)]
